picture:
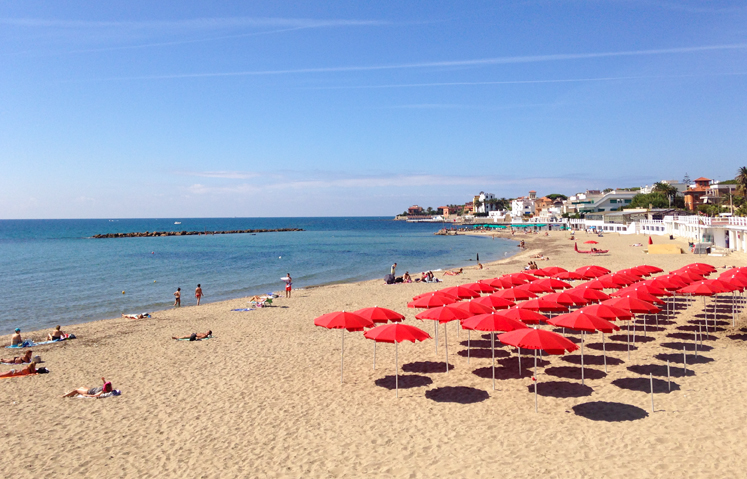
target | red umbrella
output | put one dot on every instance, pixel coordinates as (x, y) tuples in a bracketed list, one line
[(492, 323), (591, 242), (343, 320), (569, 276), (590, 294), (521, 275), (662, 282), (493, 301), (536, 287), (689, 275), (473, 308), (496, 283), (625, 279), (592, 271), (434, 300), (604, 311), (638, 294), (566, 298), (396, 333), (649, 269), (633, 305), (739, 283), (552, 283), (550, 271), (479, 287), (704, 288), (507, 281), (650, 241), (526, 316), (445, 314), (542, 304), (586, 322), (634, 272), (515, 294), (645, 286), (676, 280), (440, 293), (379, 315), (461, 292), (607, 281), (702, 268), (547, 341)]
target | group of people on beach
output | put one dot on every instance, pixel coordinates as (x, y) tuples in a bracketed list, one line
[(178, 296)]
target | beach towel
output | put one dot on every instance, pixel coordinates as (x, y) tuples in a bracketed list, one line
[(19, 375), (116, 392), (243, 309), (187, 339), (30, 344)]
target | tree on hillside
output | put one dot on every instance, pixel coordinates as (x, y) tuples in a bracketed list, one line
[(655, 199), (554, 196), (742, 181)]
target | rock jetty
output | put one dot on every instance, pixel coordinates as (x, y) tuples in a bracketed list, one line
[(149, 234)]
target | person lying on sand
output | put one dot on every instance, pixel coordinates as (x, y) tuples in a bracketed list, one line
[(26, 358), (454, 273), (30, 369), (90, 392), (136, 316), (56, 334), (636, 244), (195, 336)]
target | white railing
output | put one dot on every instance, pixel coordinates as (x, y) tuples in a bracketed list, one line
[(738, 220), (695, 220)]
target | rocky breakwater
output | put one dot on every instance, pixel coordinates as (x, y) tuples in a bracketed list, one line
[(148, 234)]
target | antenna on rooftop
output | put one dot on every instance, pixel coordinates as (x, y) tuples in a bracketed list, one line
[(686, 180)]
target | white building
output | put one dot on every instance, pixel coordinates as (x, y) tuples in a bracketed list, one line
[(483, 203), (523, 205), (681, 187), (594, 201)]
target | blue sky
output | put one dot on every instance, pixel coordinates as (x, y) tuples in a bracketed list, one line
[(274, 108)]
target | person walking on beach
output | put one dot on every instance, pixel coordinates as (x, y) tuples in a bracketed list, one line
[(178, 297), (288, 285), (394, 267), (198, 294)]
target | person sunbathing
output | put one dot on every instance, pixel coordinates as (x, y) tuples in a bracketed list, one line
[(195, 336), (26, 358), (56, 334), (94, 392), (453, 273), (16, 339), (30, 369), (136, 316), (406, 278)]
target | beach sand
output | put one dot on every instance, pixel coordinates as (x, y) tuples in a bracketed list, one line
[(263, 397)]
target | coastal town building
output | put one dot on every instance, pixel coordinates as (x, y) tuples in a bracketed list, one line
[(694, 195), (484, 203), (415, 210), (680, 186), (594, 201)]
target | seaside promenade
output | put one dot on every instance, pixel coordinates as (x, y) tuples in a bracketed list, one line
[(263, 397)]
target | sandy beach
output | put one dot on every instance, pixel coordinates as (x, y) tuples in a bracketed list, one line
[(263, 397)]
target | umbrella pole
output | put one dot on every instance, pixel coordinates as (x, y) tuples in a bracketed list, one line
[(446, 345), (374, 354), (628, 328), (604, 350), (435, 324), (469, 335), (396, 367), (635, 320), (492, 347), (518, 352), (582, 357), (535, 363), (342, 353)]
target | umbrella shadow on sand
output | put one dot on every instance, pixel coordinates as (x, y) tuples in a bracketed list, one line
[(457, 394), (500, 373), (572, 372), (511, 365), (618, 347), (484, 353), (561, 389), (689, 336), (693, 328), (639, 338), (609, 411), (644, 385), (702, 319), (679, 359), (591, 360), (738, 337), (688, 346), (426, 367), (406, 381), (659, 370), (480, 343)]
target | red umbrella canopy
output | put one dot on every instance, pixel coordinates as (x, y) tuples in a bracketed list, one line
[(474, 308), (551, 343), (515, 294), (625, 279), (461, 292), (444, 314), (479, 287), (569, 276), (492, 322), (639, 294), (589, 293), (507, 281), (343, 320), (396, 333), (542, 304), (699, 288), (552, 283), (550, 271), (724, 284), (526, 316), (440, 293), (645, 288), (635, 272), (607, 281), (688, 275), (662, 282), (702, 268), (379, 315), (592, 271), (604, 311), (432, 301), (566, 298), (634, 305), (735, 279), (678, 281), (495, 302), (524, 276), (649, 269), (591, 242), (539, 272), (581, 321), (536, 287)]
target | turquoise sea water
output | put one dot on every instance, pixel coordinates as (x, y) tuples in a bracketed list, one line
[(55, 273)]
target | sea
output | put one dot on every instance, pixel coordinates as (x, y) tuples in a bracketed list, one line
[(54, 272)]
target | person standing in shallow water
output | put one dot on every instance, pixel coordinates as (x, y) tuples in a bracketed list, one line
[(198, 294), (288, 286), (178, 297)]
